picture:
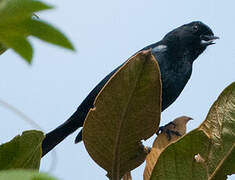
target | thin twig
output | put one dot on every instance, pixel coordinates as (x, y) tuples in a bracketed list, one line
[(33, 124)]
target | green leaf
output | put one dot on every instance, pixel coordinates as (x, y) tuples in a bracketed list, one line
[(24, 175), (17, 24), (19, 45), (206, 152), (2, 48), (126, 111), (47, 33), (22, 152), (16, 10), (226, 167)]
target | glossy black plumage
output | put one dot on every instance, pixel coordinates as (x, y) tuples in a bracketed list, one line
[(175, 54)]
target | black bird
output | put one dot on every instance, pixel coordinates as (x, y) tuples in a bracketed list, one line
[(175, 54)]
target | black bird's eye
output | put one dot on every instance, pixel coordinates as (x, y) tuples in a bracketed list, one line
[(195, 28)]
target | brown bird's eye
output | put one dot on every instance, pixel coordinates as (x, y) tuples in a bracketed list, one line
[(195, 28)]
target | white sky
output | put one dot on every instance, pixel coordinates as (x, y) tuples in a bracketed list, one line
[(105, 33)]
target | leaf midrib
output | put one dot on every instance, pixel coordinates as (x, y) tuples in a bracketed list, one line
[(116, 161)]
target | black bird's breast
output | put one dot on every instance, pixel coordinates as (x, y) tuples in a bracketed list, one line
[(175, 73)]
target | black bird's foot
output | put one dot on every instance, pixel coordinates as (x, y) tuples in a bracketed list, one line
[(148, 149), (164, 128), (168, 130), (170, 133)]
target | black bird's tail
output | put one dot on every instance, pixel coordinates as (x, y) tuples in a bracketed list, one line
[(60, 133), (75, 121)]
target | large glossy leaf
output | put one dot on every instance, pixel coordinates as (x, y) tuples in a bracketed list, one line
[(22, 152), (126, 111), (24, 175), (226, 167), (17, 24), (206, 152)]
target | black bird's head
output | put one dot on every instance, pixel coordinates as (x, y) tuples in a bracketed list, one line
[(190, 39)]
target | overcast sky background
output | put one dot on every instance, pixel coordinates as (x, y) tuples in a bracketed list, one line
[(105, 33)]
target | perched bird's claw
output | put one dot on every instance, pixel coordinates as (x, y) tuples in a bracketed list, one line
[(160, 129), (171, 123), (164, 128), (169, 133), (148, 149)]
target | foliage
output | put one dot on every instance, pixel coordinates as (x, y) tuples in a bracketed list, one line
[(23, 175), (17, 23), (206, 152), (20, 158), (22, 152), (125, 112)]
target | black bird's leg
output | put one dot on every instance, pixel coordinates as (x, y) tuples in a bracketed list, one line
[(163, 128), (171, 132), (168, 131)]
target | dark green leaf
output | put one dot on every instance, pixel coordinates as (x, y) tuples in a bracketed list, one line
[(22, 152), (19, 45), (47, 33), (2, 49), (226, 167)]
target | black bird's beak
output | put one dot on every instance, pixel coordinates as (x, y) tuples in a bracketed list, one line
[(208, 39)]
